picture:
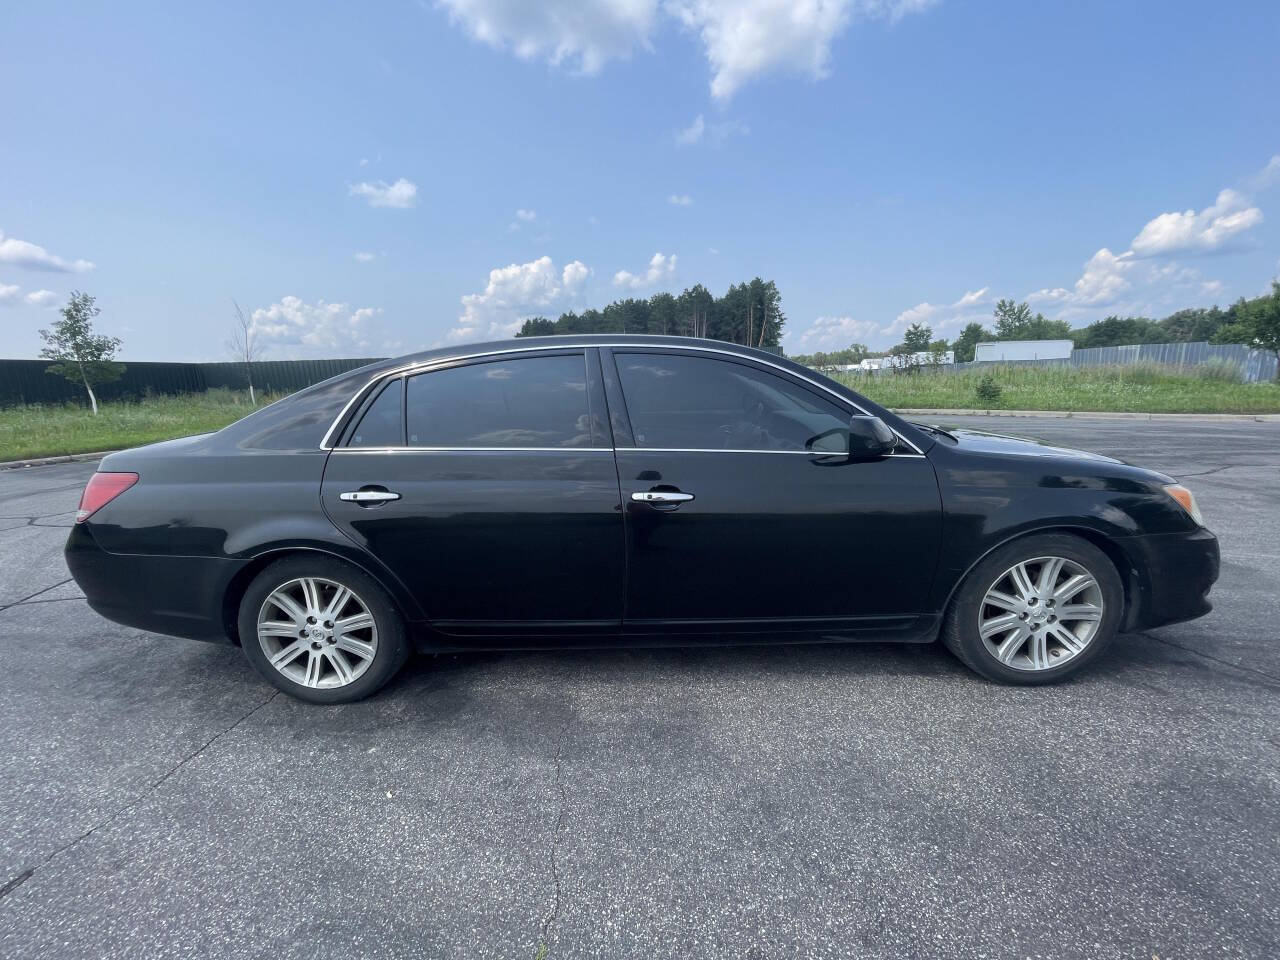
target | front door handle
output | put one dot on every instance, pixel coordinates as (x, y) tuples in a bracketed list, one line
[(368, 496), (661, 496)]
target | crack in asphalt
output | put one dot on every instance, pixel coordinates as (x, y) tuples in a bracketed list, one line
[(33, 521), (32, 596), (554, 914), (1208, 656), (17, 881)]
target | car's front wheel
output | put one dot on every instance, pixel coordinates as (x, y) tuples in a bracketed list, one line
[(321, 630), (1037, 610)]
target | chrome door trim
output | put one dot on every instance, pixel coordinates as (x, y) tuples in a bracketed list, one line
[(661, 496), (368, 496), (423, 366)]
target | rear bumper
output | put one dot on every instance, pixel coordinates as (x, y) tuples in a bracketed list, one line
[(1174, 573), (179, 596)]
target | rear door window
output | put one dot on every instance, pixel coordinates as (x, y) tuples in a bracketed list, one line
[(383, 422), (524, 402)]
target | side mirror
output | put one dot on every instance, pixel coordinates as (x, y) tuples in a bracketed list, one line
[(870, 438)]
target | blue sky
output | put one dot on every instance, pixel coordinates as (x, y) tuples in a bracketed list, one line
[(380, 177)]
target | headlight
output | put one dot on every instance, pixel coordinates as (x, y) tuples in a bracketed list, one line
[(1186, 500)]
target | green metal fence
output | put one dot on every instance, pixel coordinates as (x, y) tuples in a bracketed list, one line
[(25, 381)]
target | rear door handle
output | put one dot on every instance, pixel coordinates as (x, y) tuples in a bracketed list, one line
[(661, 496), (368, 496)]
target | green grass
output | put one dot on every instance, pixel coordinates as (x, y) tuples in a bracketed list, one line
[(1130, 389), (45, 430)]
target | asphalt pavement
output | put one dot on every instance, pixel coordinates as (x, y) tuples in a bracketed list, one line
[(160, 800)]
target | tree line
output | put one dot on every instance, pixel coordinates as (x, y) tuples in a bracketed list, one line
[(1253, 322), (749, 313)]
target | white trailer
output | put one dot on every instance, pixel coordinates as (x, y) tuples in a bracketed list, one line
[(1023, 350)]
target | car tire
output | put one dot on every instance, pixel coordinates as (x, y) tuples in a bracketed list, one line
[(341, 648), (1003, 624)]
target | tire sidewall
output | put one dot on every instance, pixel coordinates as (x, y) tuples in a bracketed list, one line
[(392, 645), (962, 628)]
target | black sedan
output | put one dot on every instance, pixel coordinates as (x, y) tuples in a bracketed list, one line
[(624, 490)]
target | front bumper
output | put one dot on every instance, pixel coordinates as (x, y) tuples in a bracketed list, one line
[(1171, 579), (179, 596)]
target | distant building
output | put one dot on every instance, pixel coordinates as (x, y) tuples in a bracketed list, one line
[(1023, 350)]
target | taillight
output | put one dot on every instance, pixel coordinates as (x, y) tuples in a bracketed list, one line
[(102, 489)]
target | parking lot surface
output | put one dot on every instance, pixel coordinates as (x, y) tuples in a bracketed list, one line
[(162, 801)]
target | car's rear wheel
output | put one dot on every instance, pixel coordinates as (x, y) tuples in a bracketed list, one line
[(321, 630), (1036, 611)]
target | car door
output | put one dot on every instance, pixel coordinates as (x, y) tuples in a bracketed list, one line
[(488, 487), (740, 518)]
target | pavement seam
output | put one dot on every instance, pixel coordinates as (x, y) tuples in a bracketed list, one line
[(1208, 656), (554, 914), (6, 606), (27, 874)]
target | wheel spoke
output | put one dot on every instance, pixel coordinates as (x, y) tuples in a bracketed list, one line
[(1073, 586), (1011, 645), (1038, 650), (358, 621), (339, 600), (277, 628), (340, 665), (1065, 637), (1001, 624), (1022, 581), (359, 648), (289, 654), (315, 666), (1002, 600), (1080, 611), (311, 592), (290, 606), (1049, 572)]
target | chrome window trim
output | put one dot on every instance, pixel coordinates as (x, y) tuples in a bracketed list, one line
[(423, 366), (793, 453), (472, 450)]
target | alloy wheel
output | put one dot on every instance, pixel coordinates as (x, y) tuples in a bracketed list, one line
[(1040, 613), (317, 632)]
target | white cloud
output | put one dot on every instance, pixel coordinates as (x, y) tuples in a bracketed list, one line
[(1268, 175), (313, 328), (515, 292), (522, 216), (835, 333), (580, 35), (400, 195), (939, 315), (574, 275), (1190, 232), (1211, 287), (9, 292), (364, 256), (715, 133), (1049, 295), (660, 267), (41, 298), (680, 200), (741, 38), (21, 253), (971, 297), (745, 38), (693, 133), (1104, 279)]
